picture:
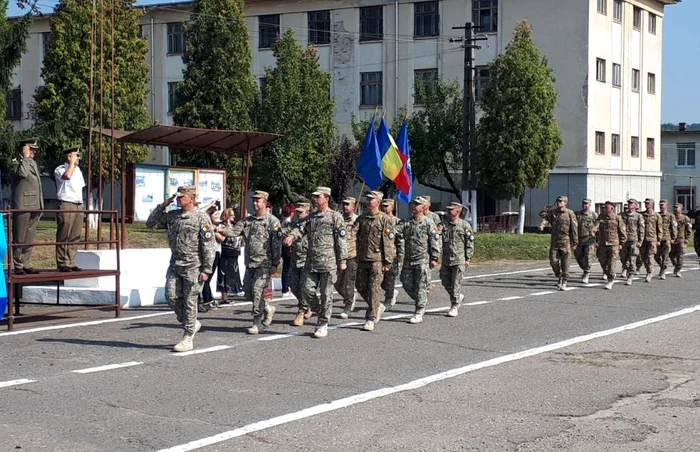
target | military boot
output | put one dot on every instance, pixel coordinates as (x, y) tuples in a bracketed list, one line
[(662, 274), (584, 280), (267, 317), (678, 274), (346, 313), (454, 310), (648, 277), (417, 317), (393, 297), (562, 286), (628, 282), (299, 319), (185, 345), (382, 308), (321, 332), (197, 326), (308, 314), (558, 282), (609, 285), (368, 326), (253, 330)]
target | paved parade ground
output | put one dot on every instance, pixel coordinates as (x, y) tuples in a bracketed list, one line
[(524, 368)]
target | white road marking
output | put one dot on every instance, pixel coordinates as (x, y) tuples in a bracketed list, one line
[(415, 384), (546, 292), (7, 384), (476, 303), (203, 350), (509, 298), (107, 367)]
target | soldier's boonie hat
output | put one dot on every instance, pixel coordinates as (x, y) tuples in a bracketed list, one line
[(322, 191), (259, 194), (649, 200), (663, 201), (678, 205), (388, 202), (190, 190), (562, 198), (303, 206), (632, 200), (73, 149), (32, 142), (586, 201), (420, 200), (349, 200), (374, 195), (454, 205), (427, 198)]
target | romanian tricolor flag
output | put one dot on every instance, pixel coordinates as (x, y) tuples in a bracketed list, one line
[(393, 160)]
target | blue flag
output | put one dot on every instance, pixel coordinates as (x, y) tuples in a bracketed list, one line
[(369, 168), (3, 285), (402, 144)]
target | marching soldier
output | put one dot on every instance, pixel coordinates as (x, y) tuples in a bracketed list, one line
[(191, 239), (611, 233), (327, 253), (375, 254), (564, 238), (668, 236), (653, 233), (677, 248), (389, 283), (438, 222), (587, 226), (345, 285), (457, 250), (262, 234), (300, 248), (634, 228)]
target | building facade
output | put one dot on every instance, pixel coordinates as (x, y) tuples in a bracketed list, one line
[(606, 57), (681, 176)]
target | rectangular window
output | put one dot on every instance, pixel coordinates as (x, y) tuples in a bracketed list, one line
[(652, 23), (176, 39), (268, 30), (426, 19), (685, 196), (371, 23), (634, 148), (45, 42), (262, 81), (320, 27), (615, 144), (650, 148), (635, 80), (617, 10), (617, 75), (603, 6), (485, 15), (637, 18), (651, 83), (685, 155), (427, 78), (600, 143), (371, 86), (172, 86), (600, 69), (483, 77), (13, 111)]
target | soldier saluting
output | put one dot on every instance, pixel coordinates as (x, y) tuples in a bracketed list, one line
[(191, 239)]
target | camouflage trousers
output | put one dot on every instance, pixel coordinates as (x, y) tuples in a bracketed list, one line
[(319, 285), (345, 285), (628, 255), (607, 256), (296, 284), (182, 291), (583, 254), (254, 284), (662, 255), (676, 255), (451, 277), (369, 281), (559, 260), (646, 256), (389, 283), (415, 282)]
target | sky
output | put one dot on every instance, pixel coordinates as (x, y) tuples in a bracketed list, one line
[(680, 83)]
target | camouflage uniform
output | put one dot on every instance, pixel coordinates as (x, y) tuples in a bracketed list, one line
[(611, 232), (457, 250), (422, 241), (300, 249), (634, 228), (564, 237), (326, 234), (668, 236), (677, 248), (653, 231), (345, 285), (191, 240), (587, 226), (389, 283)]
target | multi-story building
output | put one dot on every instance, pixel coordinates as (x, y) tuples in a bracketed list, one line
[(606, 56), (681, 176)]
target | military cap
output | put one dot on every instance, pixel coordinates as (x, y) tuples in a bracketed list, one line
[(32, 142), (73, 149), (562, 198), (610, 203), (259, 194), (422, 200), (586, 201), (679, 205), (183, 190), (632, 200), (454, 205), (322, 191), (374, 195), (649, 200), (349, 200), (388, 202), (663, 201), (427, 198), (303, 206)]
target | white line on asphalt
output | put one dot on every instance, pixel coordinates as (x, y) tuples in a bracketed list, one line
[(517, 272), (107, 367), (415, 384), (203, 350), (476, 303), (510, 298), (546, 292), (7, 384)]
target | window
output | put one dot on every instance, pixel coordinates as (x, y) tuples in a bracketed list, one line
[(483, 77), (637, 18), (262, 81), (176, 38), (485, 15), (617, 75), (617, 10), (320, 27), (172, 86), (651, 83), (603, 6), (45, 42), (426, 19), (635, 80), (652, 23), (600, 69), (13, 110), (615, 144), (635, 147), (371, 87), (686, 154), (425, 77), (268, 30), (600, 143), (650, 148), (685, 196), (371, 23)]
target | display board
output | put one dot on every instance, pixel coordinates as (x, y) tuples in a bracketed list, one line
[(149, 191), (211, 187)]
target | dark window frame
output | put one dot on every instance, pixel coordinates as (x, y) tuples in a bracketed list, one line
[(485, 16), (371, 16), (616, 75), (177, 43), (13, 107), (268, 30), (637, 18), (427, 77), (600, 143), (615, 144), (635, 80), (482, 76), (651, 19), (319, 23), (426, 19), (618, 10), (600, 70), (684, 150), (172, 96), (651, 83), (651, 148), (634, 147), (368, 82), (602, 7)]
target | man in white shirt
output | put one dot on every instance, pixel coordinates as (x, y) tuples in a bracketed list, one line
[(69, 190)]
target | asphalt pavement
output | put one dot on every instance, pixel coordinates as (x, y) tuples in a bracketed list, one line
[(523, 367)]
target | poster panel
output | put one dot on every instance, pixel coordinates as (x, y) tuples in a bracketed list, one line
[(180, 177), (211, 187), (149, 190)]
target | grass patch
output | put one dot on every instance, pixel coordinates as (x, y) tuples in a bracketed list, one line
[(508, 247)]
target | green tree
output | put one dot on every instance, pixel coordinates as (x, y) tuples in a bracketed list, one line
[(295, 102), (518, 135), (343, 169), (218, 89)]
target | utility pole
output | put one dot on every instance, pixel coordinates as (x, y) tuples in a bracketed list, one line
[(469, 142)]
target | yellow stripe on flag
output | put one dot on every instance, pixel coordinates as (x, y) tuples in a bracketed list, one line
[(391, 162)]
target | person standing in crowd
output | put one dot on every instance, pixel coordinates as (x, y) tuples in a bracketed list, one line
[(564, 238), (300, 249), (25, 183), (389, 283), (668, 236), (611, 234), (457, 251), (327, 254), (69, 191), (587, 226), (681, 239), (634, 227), (287, 216), (191, 239), (375, 254), (345, 285), (653, 233), (206, 299), (262, 235), (228, 276)]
